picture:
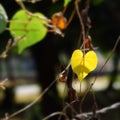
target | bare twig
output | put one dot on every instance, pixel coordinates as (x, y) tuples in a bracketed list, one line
[(113, 50), (80, 18), (70, 19), (45, 21), (91, 85), (32, 103), (2, 84), (16, 40), (21, 4), (8, 46), (54, 114), (70, 106), (89, 115)]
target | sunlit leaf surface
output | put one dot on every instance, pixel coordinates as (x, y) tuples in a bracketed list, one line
[(66, 2), (83, 64), (31, 27)]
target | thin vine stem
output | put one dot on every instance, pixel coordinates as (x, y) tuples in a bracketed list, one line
[(102, 112), (32, 103), (81, 21), (56, 113), (70, 19), (100, 70)]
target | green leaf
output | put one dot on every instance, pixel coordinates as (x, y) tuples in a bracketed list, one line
[(97, 2), (3, 19), (31, 27), (66, 2)]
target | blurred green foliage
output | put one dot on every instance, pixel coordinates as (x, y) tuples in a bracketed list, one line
[(3, 19), (97, 2)]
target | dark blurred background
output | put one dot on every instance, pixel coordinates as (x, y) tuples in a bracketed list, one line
[(34, 69)]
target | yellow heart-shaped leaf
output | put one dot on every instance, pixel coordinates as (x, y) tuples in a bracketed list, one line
[(83, 64)]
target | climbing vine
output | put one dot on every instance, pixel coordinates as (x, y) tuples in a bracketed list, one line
[(27, 29)]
